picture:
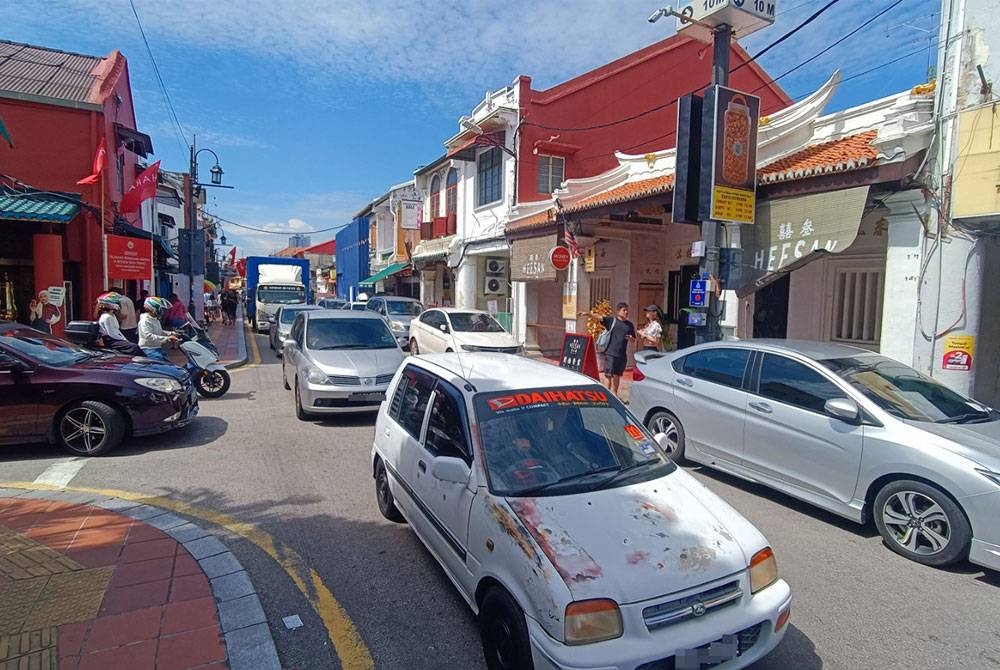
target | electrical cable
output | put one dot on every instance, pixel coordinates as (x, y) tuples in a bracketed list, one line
[(280, 232)]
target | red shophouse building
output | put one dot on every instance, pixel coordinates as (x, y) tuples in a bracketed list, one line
[(58, 107)]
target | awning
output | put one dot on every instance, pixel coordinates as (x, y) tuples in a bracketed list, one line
[(134, 141), (37, 208), (790, 232), (382, 274), (165, 246), (466, 151), (432, 250)]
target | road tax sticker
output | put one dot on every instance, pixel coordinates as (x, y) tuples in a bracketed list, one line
[(647, 448), (633, 432)]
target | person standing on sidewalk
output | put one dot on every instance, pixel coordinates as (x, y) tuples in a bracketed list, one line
[(616, 356), (151, 334), (129, 320), (652, 330)]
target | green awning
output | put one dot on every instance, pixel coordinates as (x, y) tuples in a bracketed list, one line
[(382, 274), (37, 207)]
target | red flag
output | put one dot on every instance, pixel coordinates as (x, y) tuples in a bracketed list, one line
[(232, 256), (144, 188), (100, 158)]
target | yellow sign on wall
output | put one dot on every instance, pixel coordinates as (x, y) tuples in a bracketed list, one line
[(958, 350)]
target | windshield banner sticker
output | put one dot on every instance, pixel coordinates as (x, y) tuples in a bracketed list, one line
[(546, 397)]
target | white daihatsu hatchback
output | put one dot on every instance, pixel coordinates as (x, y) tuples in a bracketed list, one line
[(564, 525)]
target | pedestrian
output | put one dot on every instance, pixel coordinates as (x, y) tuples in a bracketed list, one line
[(176, 313), (622, 331), (129, 320), (151, 334), (108, 315), (229, 302), (652, 331)]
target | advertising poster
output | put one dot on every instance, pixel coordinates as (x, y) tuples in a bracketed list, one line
[(729, 126), (958, 351)]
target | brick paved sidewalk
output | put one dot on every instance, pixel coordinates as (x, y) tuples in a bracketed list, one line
[(229, 340), (85, 587)]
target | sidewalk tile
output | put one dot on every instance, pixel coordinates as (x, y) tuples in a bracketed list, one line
[(240, 613), (205, 547), (167, 521), (231, 587), (187, 532), (143, 512), (144, 551), (95, 558), (116, 504), (70, 638), (99, 538), (141, 532), (252, 648), (190, 587), (100, 518), (137, 597), (122, 629), (127, 574), (140, 656), (222, 564), (184, 564), (189, 650), (189, 615)]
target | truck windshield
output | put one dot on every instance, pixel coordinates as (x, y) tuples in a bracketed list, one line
[(281, 295)]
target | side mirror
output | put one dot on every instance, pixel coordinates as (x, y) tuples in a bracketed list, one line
[(449, 469), (663, 441), (443, 327), (844, 409)]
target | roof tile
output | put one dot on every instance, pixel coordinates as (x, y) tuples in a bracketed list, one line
[(848, 153), (629, 191)]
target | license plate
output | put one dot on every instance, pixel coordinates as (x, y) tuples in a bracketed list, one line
[(371, 395), (708, 655)]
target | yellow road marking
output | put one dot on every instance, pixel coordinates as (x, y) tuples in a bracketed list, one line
[(347, 643)]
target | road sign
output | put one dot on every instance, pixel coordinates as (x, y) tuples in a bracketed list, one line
[(698, 296), (560, 257), (744, 16)]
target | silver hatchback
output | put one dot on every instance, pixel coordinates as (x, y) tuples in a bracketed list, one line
[(853, 432), (339, 361)]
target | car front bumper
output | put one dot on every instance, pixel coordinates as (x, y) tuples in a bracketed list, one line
[(159, 412), (982, 512), (757, 616), (330, 399)]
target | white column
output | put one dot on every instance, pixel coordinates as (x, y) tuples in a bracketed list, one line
[(519, 312), (904, 251), (466, 282)]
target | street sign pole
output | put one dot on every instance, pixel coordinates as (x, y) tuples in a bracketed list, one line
[(710, 230)]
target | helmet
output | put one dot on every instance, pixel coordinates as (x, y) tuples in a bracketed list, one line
[(155, 305), (110, 299)]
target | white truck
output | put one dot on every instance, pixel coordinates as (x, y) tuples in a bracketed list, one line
[(273, 282)]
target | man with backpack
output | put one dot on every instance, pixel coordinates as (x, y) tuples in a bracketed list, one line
[(619, 331)]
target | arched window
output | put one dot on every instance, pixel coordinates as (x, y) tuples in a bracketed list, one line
[(435, 197), (451, 192)]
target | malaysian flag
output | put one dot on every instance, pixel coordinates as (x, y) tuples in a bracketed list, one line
[(569, 236)]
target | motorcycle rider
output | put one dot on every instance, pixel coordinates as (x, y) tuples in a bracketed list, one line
[(152, 337), (108, 315)]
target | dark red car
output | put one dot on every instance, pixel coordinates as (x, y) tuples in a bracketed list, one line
[(85, 400)]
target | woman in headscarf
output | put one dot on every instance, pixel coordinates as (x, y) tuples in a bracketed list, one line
[(107, 312)]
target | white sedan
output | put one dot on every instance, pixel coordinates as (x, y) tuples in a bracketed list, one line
[(446, 329), (564, 525)]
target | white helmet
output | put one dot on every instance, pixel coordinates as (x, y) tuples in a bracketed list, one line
[(362, 297)]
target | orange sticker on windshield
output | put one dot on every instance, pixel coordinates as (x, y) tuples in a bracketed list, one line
[(633, 432)]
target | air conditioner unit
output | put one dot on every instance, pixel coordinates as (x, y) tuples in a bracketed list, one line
[(496, 266), (494, 286)]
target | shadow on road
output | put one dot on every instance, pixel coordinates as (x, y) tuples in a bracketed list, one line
[(202, 431), (795, 651), (247, 395)]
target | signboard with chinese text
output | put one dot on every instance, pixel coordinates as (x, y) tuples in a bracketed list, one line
[(129, 257), (409, 215), (729, 155), (529, 259)]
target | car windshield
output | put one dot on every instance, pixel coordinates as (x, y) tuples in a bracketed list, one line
[(332, 304), (904, 392), (403, 307), (288, 314), (555, 441), (43, 348), (359, 306), (350, 333), (465, 322), (281, 295)]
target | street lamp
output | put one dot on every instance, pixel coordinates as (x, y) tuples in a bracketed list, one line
[(194, 190)]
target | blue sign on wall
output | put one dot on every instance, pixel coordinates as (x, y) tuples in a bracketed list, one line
[(699, 293)]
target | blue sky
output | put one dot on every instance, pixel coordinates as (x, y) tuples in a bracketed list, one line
[(317, 106)]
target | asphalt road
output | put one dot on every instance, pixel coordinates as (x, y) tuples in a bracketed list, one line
[(308, 484)]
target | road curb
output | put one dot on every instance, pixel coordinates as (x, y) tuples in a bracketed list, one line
[(243, 348), (248, 640)]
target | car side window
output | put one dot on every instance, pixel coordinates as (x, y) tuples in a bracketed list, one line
[(722, 366), (446, 434), (790, 382), (432, 318), (410, 400), (296, 331)]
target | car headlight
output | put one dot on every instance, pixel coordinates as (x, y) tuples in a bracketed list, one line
[(763, 570), (990, 475), (397, 326), (592, 621), (316, 376), (161, 384), (471, 347)]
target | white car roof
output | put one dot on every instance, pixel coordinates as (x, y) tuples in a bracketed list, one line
[(488, 371)]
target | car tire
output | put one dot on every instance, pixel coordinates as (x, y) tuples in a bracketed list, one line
[(300, 413), (386, 503), (95, 416), (284, 379), (414, 349), (935, 517), (503, 632), (662, 421)]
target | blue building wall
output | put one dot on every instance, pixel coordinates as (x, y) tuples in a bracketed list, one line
[(352, 257)]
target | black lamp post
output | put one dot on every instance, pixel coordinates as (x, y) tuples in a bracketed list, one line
[(195, 191)]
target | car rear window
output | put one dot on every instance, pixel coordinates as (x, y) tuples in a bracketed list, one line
[(351, 333)]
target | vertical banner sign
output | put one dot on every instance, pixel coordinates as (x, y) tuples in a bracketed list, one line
[(958, 352), (729, 155), (410, 219), (129, 258)]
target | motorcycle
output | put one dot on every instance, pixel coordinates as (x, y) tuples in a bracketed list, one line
[(211, 379)]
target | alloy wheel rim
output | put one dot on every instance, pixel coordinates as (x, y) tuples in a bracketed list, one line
[(917, 523), (664, 425), (83, 429), (212, 381)]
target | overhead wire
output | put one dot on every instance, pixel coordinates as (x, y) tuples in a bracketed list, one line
[(280, 232)]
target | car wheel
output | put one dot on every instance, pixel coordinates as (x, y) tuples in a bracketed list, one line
[(504, 633), (212, 383), (300, 413), (270, 344), (91, 428), (284, 379), (920, 522), (386, 503), (414, 349), (665, 422)]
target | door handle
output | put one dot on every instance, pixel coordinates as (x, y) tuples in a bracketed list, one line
[(422, 466), (762, 407), (684, 381)]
